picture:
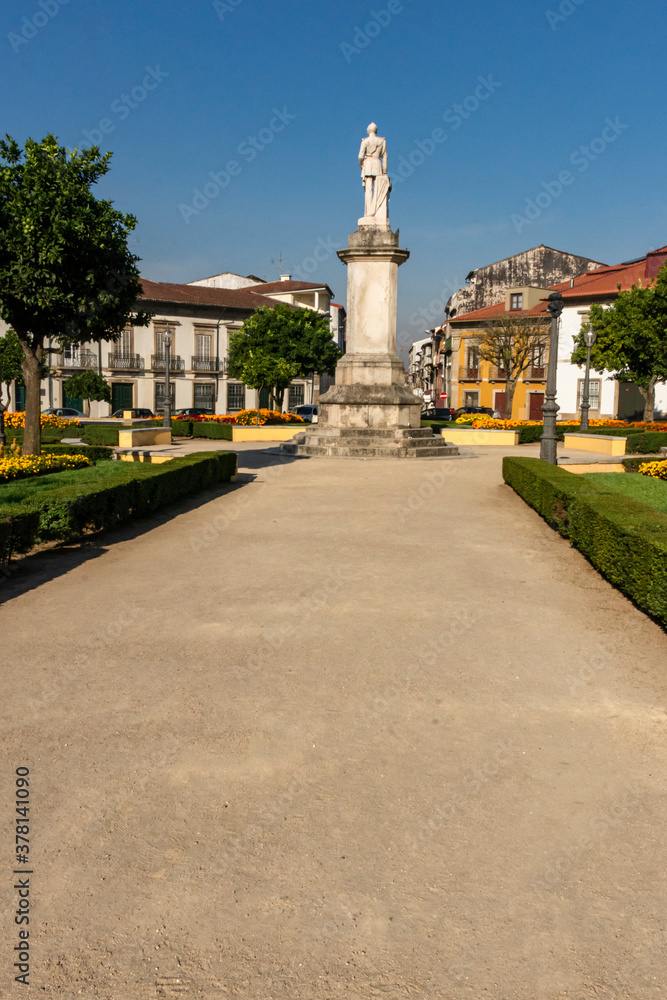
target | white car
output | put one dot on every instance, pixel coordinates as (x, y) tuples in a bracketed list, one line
[(64, 411), (307, 411)]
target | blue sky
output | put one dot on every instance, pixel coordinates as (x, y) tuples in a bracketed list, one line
[(181, 89)]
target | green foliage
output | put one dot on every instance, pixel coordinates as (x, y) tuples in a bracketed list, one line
[(88, 385), (299, 336), (631, 334), (92, 453), (182, 428), (648, 443), (135, 490), (261, 370), (624, 539), (212, 429), (11, 360), (99, 434), (64, 261)]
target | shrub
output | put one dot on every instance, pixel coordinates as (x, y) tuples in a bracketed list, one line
[(658, 470), (94, 453), (181, 428), (68, 512), (24, 466), (648, 443), (100, 434), (624, 539), (212, 429)]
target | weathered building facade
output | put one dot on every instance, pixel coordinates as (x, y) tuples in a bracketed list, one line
[(539, 267)]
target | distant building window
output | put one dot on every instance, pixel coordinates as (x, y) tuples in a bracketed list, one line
[(516, 300), (295, 396), (593, 394), (235, 397), (159, 395), (204, 395)]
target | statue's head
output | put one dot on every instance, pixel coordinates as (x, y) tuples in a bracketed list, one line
[(372, 129)]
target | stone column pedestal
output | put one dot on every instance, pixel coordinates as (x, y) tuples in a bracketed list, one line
[(370, 390)]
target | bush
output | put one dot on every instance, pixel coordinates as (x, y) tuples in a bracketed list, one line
[(211, 429), (100, 434), (94, 453), (68, 512), (182, 428), (14, 467), (648, 443), (624, 539)]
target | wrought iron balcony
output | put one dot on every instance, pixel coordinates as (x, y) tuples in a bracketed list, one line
[(176, 363), (78, 359), (206, 364), (538, 372), (126, 362), (468, 373)]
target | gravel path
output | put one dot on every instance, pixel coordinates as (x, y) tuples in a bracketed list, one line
[(347, 729)]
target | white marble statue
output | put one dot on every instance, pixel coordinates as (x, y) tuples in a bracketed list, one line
[(373, 163)]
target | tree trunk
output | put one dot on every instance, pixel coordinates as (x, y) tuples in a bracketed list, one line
[(32, 377), (510, 389), (649, 399)]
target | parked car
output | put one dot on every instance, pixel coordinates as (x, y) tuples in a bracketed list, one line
[(134, 413), (308, 411), (64, 411), (476, 409), (195, 411), (438, 413)]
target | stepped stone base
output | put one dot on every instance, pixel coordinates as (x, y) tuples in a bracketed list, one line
[(370, 442)]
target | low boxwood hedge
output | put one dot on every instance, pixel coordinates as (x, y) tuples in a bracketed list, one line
[(95, 453), (211, 429), (181, 428), (101, 434), (624, 539), (68, 512)]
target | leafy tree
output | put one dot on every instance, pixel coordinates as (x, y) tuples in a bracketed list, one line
[(11, 359), (65, 267), (512, 343), (261, 370), (301, 337), (631, 339), (88, 385)]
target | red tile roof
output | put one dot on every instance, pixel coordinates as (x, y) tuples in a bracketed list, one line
[(490, 312), (202, 295), (603, 282)]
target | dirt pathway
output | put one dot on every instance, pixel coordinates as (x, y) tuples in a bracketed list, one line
[(351, 729)]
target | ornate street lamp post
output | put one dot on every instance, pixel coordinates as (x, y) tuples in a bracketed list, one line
[(549, 443), (166, 409), (589, 339)]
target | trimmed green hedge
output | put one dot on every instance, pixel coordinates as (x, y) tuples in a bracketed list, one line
[(646, 443), (181, 428), (624, 539), (210, 429), (100, 434), (95, 453), (66, 513)]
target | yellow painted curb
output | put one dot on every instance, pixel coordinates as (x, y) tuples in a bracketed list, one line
[(467, 435), (599, 443), (281, 432)]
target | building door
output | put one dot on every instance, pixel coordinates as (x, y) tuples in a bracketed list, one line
[(19, 392), (536, 401), (264, 398), (499, 403), (630, 402), (121, 396)]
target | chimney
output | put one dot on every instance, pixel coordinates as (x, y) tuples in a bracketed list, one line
[(654, 262), (285, 277)]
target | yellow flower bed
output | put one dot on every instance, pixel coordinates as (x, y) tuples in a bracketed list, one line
[(23, 466), (658, 470), (17, 420), (249, 417)]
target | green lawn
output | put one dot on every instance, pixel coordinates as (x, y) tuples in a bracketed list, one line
[(22, 488), (652, 492)]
